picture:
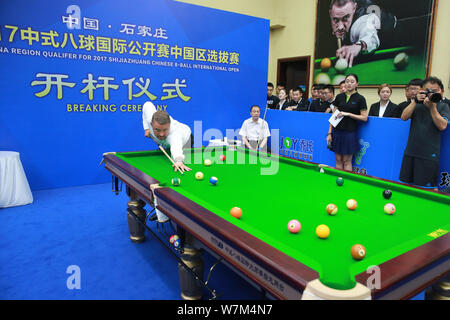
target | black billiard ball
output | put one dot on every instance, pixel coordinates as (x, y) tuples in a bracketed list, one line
[(387, 194)]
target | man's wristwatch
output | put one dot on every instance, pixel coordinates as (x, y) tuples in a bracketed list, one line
[(362, 44)]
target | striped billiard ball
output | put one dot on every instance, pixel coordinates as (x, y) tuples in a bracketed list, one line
[(213, 180), (352, 204), (332, 209), (176, 182)]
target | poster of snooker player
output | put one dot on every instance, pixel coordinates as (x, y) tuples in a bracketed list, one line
[(382, 41)]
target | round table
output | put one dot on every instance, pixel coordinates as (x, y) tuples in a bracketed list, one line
[(14, 187)]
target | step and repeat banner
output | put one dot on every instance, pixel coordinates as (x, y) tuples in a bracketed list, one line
[(302, 135), (74, 77)]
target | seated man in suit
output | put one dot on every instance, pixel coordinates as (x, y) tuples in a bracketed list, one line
[(298, 103), (326, 98), (385, 108)]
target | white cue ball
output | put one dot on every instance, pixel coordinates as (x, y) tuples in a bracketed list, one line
[(341, 65)]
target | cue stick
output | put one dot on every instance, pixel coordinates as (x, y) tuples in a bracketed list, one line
[(262, 125), (165, 153), (339, 41)]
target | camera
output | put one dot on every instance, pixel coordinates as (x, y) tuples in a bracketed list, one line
[(433, 96)]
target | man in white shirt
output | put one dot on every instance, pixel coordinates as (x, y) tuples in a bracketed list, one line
[(255, 131), (168, 132)]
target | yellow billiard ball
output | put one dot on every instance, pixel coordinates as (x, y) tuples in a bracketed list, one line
[(323, 231), (207, 162), (199, 175)]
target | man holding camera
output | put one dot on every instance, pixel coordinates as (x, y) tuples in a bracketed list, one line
[(429, 117)]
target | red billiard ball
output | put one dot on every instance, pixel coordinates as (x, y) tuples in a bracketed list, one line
[(222, 157), (294, 226)]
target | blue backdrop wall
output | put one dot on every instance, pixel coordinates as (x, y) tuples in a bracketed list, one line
[(302, 135), (74, 77)]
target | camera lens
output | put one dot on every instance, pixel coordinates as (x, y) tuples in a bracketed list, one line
[(435, 97)]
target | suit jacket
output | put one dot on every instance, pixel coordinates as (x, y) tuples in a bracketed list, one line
[(283, 107), (392, 110), (319, 106), (302, 105)]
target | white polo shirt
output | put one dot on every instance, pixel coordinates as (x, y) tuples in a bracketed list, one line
[(179, 133), (255, 130)]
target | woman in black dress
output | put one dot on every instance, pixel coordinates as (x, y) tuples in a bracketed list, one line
[(343, 139)]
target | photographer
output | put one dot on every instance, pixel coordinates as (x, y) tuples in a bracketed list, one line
[(429, 117)]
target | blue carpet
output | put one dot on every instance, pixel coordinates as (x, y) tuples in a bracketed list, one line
[(87, 227)]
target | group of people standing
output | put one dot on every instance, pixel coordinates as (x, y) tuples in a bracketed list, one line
[(425, 106)]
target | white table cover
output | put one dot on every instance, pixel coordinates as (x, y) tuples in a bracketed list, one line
[(14, 187)]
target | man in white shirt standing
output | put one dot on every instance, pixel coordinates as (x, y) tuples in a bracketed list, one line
[(255, 131), (168, 132)]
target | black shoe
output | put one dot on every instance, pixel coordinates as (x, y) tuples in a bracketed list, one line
[(153, 217)]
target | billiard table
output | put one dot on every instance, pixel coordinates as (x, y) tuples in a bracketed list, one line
[(406, 252)]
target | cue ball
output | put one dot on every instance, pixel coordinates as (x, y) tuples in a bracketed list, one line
[(207, 162), (338, 79), (176, 182), (341, 65), (236, 212), (358, 252), (322, 78), (325, 64), (332, 209), (323, 231), (389, 208), (199, 175), (352, 204), (401, 61), (387, 194), (294, 226)]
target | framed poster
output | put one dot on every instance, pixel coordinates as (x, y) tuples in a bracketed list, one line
[(382, 41)]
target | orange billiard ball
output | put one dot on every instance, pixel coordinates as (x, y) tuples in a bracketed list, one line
[(236, 212), (358, 252), (322, 231), (325, 64), (332, 209), (352, 204)]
